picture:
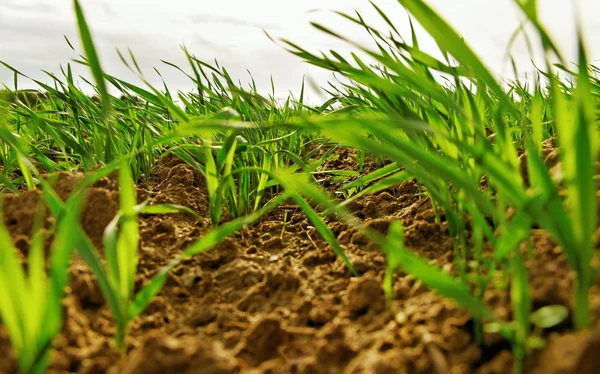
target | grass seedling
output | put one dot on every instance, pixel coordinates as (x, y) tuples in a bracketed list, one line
[(285, 220), (521, 305), (31, 301), (121, 241)]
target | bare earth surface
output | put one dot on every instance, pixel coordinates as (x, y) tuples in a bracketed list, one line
[(275, 299)]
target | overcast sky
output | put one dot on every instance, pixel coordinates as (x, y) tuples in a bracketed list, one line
[(31, 33)]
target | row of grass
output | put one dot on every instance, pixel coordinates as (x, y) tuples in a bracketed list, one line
[(256, 152)]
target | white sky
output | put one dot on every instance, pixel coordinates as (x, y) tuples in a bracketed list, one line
[(31, 34)]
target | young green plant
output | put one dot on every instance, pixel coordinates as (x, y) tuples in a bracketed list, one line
[(31, 301)]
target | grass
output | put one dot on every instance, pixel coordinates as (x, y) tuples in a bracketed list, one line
[(460, 138), (31, 306)]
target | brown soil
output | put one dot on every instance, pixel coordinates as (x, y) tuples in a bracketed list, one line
[(275, 299)]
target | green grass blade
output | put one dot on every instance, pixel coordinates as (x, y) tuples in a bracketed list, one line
[(372, 176), (381, 185), (431, 276), (8, 184), (93, 60), (449, 40), (168, 209), (128, 239), (13, 282), (325, 232), (521, 305)]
